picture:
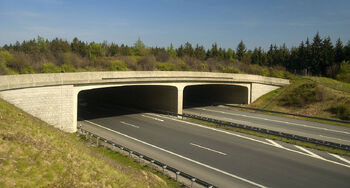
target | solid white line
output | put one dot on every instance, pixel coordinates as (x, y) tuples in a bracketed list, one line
[(334, 138), (129, 124), (274, 143), (186, 158), (252, 139), (341, 158), (309, 152), (219, 152), (152, 118), (290, 123)]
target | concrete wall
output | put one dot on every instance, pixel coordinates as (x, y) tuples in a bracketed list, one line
[(54, 104), (261, 89)]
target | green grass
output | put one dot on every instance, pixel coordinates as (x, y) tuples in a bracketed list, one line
[(312, 96), (331, 83), (34, 154), (272, 137)]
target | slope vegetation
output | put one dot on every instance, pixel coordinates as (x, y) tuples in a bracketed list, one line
[(313, 96), (34, 154)]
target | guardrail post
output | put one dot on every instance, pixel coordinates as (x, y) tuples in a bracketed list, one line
[(164, 167), (97, 140), (192, 180), (130, 153), (140, 157), (177, 174), (151, 163)]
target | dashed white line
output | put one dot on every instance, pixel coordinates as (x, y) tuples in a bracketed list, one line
[(219, 152), (309, 152), (340, 158), (252, 139), (274, 143), (297, 124), (135, 126), (152, 117), (178, 155)]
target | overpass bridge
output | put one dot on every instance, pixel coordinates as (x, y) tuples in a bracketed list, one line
[(54, 98)]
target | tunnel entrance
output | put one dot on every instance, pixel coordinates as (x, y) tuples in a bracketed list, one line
[(206, 95), (115, 101)]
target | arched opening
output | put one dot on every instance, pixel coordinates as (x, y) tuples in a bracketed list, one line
[(205, 95), (115, 101)]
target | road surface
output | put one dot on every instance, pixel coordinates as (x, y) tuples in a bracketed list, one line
[(223, 158)]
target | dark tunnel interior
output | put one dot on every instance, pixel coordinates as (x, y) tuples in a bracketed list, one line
[(207, 95), (114, 101)]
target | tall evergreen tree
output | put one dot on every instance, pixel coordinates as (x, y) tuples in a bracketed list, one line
[(241, 50), (327, 57), (339, 52), (316, 48)]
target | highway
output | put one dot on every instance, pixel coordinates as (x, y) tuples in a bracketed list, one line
[(321, 131), (223, 158)]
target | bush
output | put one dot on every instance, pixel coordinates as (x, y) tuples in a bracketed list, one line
[(302, 95), (118, 65), (166, 66), (344, 72), (229, 69), (341, 111), (67, 68), (147, 63), (50, 68)]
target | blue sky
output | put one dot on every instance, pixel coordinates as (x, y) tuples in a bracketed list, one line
[(161, 22)]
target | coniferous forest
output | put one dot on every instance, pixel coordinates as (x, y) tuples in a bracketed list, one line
[(314, 57)]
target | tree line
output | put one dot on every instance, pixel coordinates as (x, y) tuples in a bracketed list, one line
[(318, 57)]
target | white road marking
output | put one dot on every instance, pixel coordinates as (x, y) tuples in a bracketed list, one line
[(341, 158), (309, 152), (152, 118), (274, 143), (297, 124), (219, 152), (335, 138), (252, 139), (129, 124), (180, 156)]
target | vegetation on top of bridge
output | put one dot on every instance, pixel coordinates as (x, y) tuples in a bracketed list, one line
[(34, 154), (316, 57)]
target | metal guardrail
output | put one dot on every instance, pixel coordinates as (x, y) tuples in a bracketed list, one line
[(146, 158), (271, 132), (299, 115)]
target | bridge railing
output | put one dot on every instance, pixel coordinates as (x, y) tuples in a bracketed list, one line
[(164, 167)]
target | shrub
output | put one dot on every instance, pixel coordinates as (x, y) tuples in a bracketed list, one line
[(118, 65), (67, 68), (147, 63), (341, 111), (50, 68), (166, 66), (344, 72), (229, 69), (302, 95)]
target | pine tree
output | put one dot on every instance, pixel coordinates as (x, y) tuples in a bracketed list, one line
[(316, 48), (339, 52), (241, 50)]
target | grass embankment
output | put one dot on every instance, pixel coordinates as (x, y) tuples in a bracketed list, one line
[(34, 154), (312, 96)]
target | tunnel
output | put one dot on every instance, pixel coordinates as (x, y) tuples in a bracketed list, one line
[(205, 95), (113, 101)]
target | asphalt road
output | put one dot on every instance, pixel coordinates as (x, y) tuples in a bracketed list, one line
[(226, 159), (328, 132)]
